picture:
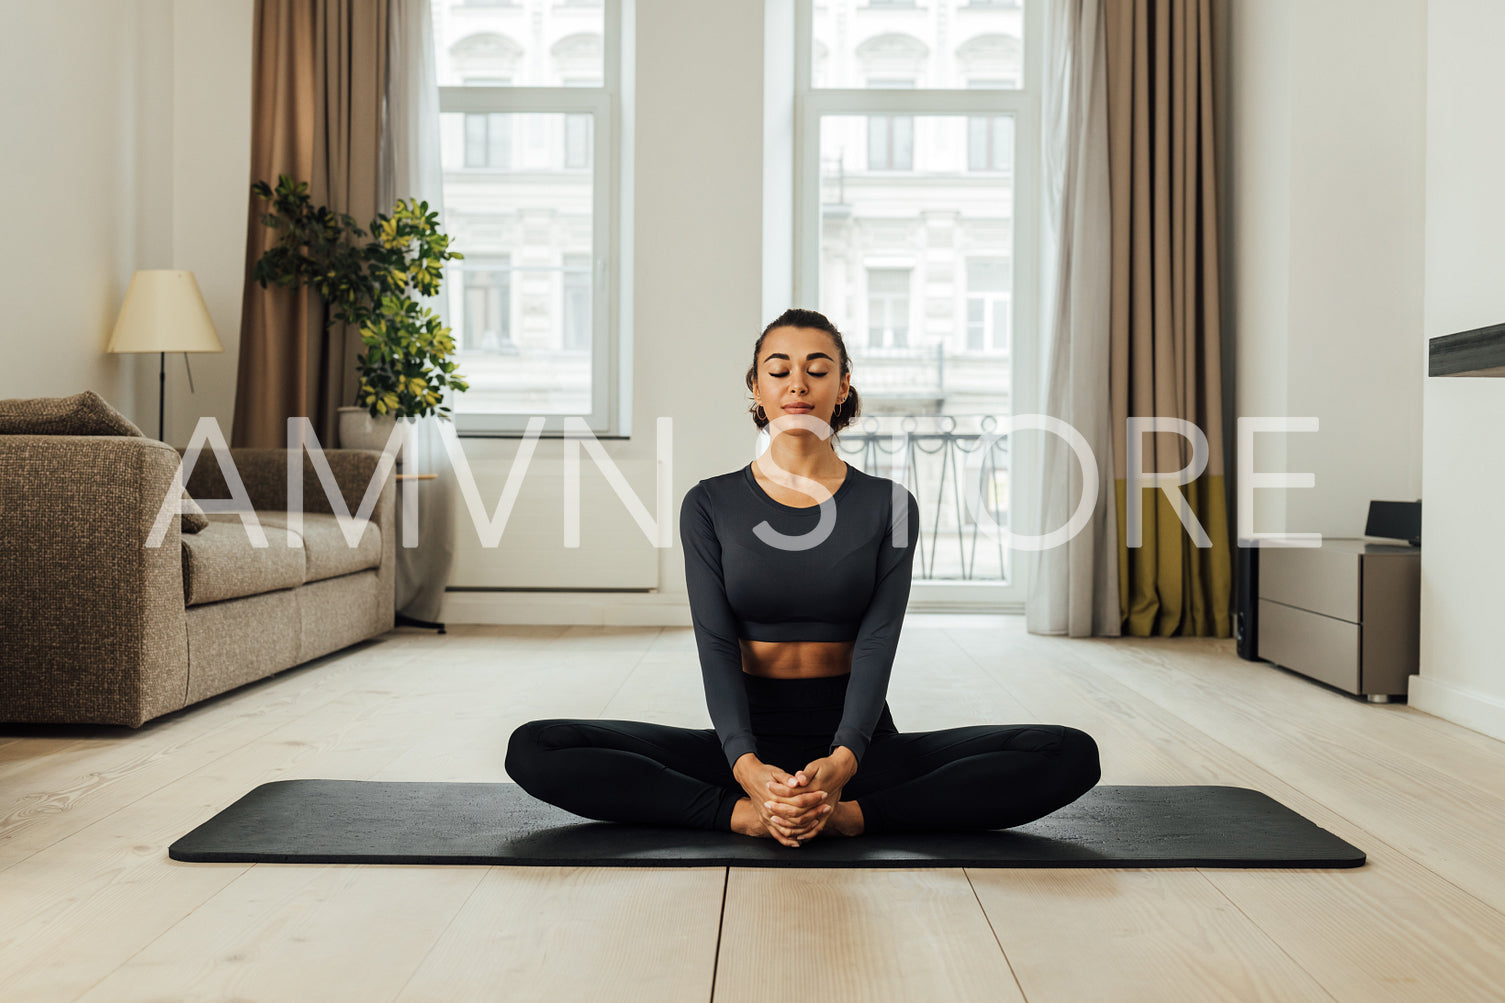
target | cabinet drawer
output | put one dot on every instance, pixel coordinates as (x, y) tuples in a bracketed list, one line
[(1322, 647), (1319, 579)]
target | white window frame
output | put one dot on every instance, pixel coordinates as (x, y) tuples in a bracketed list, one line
[(604, 105), (810, 106)]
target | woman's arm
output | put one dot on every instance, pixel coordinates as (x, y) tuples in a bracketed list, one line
[(878, 635), (715, 627)]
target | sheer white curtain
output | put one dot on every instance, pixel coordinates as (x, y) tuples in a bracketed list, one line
[(411, 169), (1074, 589)]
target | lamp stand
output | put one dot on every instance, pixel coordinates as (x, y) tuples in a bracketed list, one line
[(161, 391)]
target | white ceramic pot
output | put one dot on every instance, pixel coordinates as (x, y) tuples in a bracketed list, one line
[(358, 430)]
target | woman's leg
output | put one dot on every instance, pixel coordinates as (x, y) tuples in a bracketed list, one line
[(626, 771), (974, 777)]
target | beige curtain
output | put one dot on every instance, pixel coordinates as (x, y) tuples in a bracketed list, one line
[(1165, 334), (413, 169), (1074, 584), (319, 77)]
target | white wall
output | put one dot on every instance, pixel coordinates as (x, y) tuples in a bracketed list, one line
[(134, 142), (211, 183), (1329, 103), (69, 71), (1463, 590)]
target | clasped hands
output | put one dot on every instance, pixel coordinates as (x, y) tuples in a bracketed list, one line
[(797, 806)]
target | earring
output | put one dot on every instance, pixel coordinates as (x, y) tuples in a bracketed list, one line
[(760, 411)]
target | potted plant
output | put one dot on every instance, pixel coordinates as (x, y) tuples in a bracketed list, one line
[(407, 365)]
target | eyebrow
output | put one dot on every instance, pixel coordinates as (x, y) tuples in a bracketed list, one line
[(812, 355)]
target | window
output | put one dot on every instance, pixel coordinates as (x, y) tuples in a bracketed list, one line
[(577, 302), (488, 139), (988, 304), (887, 307), (990, 143), (890, 138), (488, 307), (990, 58), (577, 141), (890, 143), (917, 199), (528, 98)]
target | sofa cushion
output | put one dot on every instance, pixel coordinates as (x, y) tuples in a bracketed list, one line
[(219, 562), (329, 556), (84, 413)]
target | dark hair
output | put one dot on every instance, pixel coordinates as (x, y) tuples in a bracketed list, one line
[(794, 317)]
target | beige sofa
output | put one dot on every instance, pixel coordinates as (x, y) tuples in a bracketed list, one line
[(98, 627)]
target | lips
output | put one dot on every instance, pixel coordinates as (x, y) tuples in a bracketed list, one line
[(801, 408)]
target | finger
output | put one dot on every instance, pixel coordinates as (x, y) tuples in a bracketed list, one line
[(805, 815), (785, 790), (799, 807), (789, 791), (804, 802)]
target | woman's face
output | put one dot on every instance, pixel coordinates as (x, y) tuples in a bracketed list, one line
[(800, 365)]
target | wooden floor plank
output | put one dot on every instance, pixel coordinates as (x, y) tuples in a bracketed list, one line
[(280, 932), (858, 935), (1134, 936), (578, 933)]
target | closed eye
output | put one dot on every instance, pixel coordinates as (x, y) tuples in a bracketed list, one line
[(810, 374)]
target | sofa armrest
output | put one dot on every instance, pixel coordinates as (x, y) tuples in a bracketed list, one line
[(92, 618)]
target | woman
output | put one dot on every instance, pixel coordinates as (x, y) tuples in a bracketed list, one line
[(797, 609)]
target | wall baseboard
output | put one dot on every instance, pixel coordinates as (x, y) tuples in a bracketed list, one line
[(625, 609), (1473, 709)]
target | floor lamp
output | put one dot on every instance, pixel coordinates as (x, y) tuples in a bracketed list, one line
[(164, 312)]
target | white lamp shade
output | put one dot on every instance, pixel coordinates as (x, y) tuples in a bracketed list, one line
[(164, 312)]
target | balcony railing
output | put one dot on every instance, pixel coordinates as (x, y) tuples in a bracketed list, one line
[(958, 468)]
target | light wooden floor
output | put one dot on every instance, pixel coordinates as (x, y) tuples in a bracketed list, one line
[(91, 907)]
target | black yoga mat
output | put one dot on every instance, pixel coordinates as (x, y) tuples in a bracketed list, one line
[(371, 822)]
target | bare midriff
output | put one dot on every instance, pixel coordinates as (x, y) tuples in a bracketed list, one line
[(796, 659)]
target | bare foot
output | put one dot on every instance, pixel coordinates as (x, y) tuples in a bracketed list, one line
[(846, 820), (745, 820)]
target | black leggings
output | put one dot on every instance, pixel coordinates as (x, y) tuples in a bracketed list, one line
[(974, 777)]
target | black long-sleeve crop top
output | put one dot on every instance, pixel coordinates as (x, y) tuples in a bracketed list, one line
[(761, 570)]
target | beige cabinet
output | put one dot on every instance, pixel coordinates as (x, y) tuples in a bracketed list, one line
[(1346, 613)]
